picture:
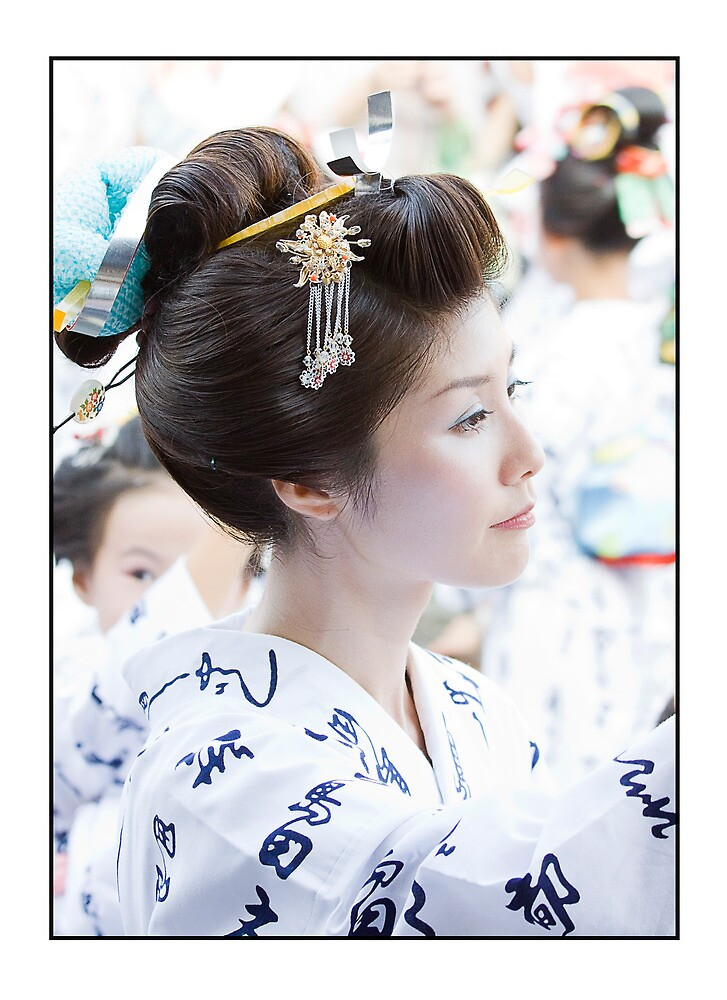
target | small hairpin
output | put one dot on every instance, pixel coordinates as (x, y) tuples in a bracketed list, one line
[(88, 399)]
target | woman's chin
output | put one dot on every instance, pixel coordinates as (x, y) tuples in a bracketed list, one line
[(492, 572)]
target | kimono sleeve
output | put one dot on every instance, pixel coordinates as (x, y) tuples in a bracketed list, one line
[(256, 830)]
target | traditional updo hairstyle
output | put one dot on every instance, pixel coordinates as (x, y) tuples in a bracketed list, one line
[(579, 199), (222, 339)]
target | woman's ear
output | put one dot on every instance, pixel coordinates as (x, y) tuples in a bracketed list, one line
[(306, 501), (81, 579)]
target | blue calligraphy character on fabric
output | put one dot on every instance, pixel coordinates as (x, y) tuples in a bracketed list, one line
[(262, 913), (216, 756), (137, 612), (653, 808), (344, 725), (464, 698), (319, 800), (206, 669), (444, 847), (319, 737), (146, 702), (352, 733), (461, 785), (536, 754), (374, 913), (285, 849), (165, 836), (411, 916), (440, 657), (550, 908)]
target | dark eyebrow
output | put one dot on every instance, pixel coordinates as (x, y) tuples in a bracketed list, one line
[(474, 381)]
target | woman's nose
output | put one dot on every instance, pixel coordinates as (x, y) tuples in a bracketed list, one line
[(524, 457)]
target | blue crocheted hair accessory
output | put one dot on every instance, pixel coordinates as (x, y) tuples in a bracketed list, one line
[(99, 257)]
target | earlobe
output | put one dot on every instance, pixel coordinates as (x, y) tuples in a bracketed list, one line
[(306, 501), (81, 580)]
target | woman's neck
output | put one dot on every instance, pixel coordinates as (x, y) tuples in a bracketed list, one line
[(348, 611)]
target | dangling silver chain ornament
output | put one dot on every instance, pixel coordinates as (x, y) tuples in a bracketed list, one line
[(322, 249), (325, 254)]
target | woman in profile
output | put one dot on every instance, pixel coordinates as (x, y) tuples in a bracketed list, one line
[(309, 769)]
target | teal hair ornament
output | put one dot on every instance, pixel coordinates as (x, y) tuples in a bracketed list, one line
[(100, 212), (99, 260)]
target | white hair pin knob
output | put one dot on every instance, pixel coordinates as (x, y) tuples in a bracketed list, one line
[(87, 401)]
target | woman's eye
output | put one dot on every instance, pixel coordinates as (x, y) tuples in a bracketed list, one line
[(512, 388), (470, 423), (142, 574)]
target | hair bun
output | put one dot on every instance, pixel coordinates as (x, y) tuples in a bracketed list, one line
[(227, 182), (651, 111)]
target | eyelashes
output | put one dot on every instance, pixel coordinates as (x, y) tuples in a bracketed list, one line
[(514, 385), (470, 423), (475, 420)]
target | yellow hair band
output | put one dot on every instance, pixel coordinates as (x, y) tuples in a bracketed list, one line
[(513, 181), (315, 201)]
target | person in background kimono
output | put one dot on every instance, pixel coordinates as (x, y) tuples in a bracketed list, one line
[(595, 607), (309, 770), (139, 535)]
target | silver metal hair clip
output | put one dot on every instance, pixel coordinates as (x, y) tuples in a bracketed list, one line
[(322, 250), (348, 160), (87, 307)]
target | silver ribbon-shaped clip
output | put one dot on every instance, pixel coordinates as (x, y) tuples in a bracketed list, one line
[(348, 160), (121, 251)]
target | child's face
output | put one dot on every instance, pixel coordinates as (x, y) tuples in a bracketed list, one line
[(146, 531)]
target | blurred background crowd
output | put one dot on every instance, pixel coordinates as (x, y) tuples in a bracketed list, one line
[(584, 641)]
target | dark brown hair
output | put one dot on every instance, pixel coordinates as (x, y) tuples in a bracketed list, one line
[(220, 353)]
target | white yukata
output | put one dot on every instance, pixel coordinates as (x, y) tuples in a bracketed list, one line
[(275, 796), (98, 730)]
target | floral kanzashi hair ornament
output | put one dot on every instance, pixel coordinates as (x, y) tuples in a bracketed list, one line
[(321, 247)]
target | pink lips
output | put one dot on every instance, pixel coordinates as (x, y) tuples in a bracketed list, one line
[(525, 519)]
